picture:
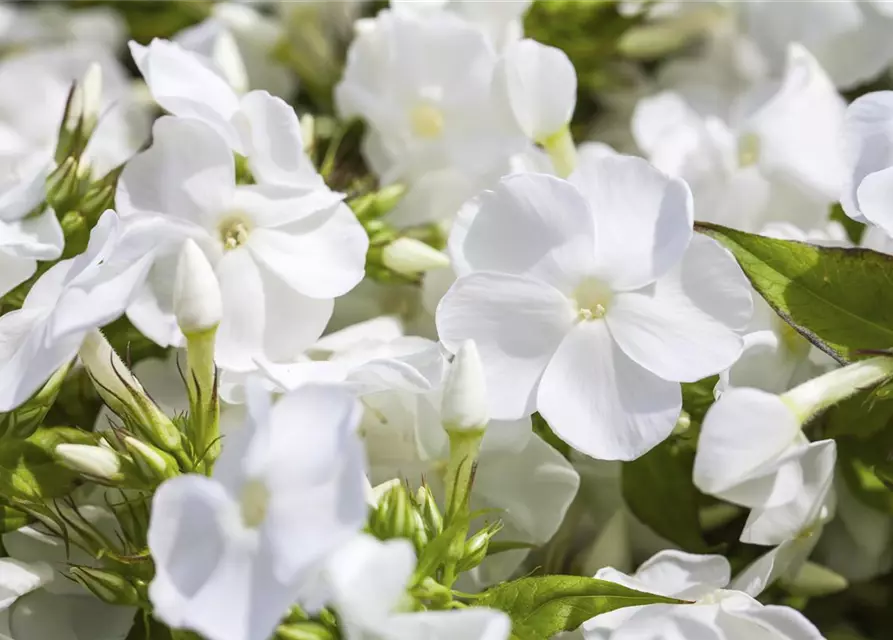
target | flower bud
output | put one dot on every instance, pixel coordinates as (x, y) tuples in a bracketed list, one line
[(411, 257), (124, 395), (814, 396), (100, 463), (430, 512), (109, 587), (154, 465), (197, 303), (476, 548), (395, 516), (304, 631), (464, 404)]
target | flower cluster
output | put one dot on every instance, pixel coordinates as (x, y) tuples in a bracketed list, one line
[(331, 321)]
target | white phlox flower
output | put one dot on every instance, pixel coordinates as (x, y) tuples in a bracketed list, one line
[(717, 610), (424, 85), (752, 452), (590, 301), (234, 551), (240, 41), (368, 579), (500, 21), (776, 158), (257, 125), (281, 254), (62, 306), (850, 38)]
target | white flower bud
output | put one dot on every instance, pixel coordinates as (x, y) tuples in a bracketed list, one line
[(92, 94), (197, 303), (464, 404), (816, 395), (98, 462), (106, 368), (411, 257)]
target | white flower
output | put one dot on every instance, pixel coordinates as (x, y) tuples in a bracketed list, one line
[(367, 357), (851, 38), (776, 159), (717, 612), (540, 87), (591, 304), (234, 551), (259, 126), (464, 403), (280, 254), (752, 452), (368, 579), (868, 154), (61, 308), (424, 85), (501, 20), (241, 42)]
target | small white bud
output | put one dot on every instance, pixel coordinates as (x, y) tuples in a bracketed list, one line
[(90, 460), (107, 369), (464, 404), (197, 303), (92, 93), (412, 257), (308, 130)]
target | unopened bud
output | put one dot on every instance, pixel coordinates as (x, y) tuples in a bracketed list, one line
[(109, 587), (99, 463), (464, 404), (124, 395), (411, 257), (155, 465), (304, 631), (308, 131), (811, 398), (91, 91), (430, 512), (197, 303), (395, 515), (476, 548), (815, 581)]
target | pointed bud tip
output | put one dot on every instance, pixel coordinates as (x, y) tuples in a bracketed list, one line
[(197, 302), (91, 460), (411, 257), (464, 405)]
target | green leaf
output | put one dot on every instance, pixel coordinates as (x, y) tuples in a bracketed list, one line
[(839, 299), (658, 489), (28, 471), (697, 397), (541, 607)]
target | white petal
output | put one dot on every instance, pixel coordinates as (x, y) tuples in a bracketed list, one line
[(780, 622), (28, 357), (799, 127), (322, 256), (684, 327), (292, 321), (37, 236), (18, 578), (315, 471), (240, 336), (643, 220), (22, 185), (532, 489), (780, 561), (775, 524), (517, 324), (369, 579), (14, 271), (602, 403), (184, 85), (540, 86), (273, 142), (867, 148), (476, 623), (687, 576), (187, 173), (550, 224), (742, 431)]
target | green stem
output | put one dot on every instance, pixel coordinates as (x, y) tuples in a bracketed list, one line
[(562, 151), (204, 404)]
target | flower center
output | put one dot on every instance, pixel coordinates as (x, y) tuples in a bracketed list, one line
[(748, 150), (234, 230), (592, 299), (253, 503), (426, 121)]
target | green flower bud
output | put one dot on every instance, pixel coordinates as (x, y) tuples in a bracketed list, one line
[(430, 512), (395, 516), (154, 465), (304, 631), (476, 547), (107, 586)]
